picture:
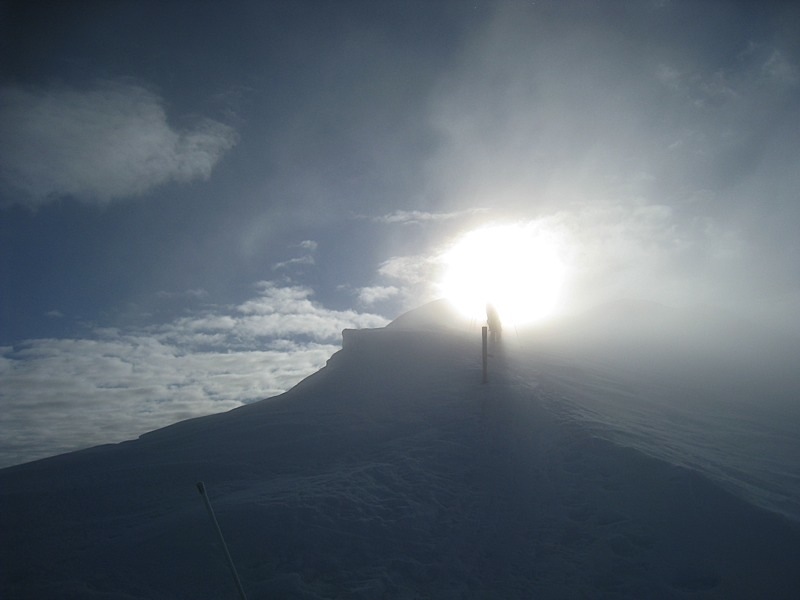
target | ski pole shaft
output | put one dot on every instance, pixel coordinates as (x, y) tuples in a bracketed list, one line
[(202, 489)]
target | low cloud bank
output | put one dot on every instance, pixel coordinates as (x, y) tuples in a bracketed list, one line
[(64, 394)]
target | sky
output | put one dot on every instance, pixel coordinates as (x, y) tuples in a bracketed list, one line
[(197, 197)]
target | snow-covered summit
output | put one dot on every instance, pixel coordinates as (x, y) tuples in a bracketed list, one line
[(436, 315), (392, 473), (434, 320)]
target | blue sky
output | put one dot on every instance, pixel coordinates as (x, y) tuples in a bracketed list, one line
[(196, 197)]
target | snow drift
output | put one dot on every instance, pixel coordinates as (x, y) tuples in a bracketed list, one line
[(393, 473)]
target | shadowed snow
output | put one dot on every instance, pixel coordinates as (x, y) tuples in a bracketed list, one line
[(392, 472)]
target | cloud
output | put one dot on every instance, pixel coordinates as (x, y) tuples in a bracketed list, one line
[(300, 260), (63, 394), (309, 246), (376, 293), (671, 173), (99, 145), (408, 280), (193, 293), (416, 217), (778, 68), (277, 312), (414, 269)]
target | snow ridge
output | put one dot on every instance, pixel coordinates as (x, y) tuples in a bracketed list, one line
[(390, 473)]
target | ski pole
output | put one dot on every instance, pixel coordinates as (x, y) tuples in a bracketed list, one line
[(202, 489)]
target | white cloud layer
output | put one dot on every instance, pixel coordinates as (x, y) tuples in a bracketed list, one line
[(376, 293), (98, 145), (63, 394)]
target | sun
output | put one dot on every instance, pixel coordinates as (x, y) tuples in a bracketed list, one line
[(515, 268)]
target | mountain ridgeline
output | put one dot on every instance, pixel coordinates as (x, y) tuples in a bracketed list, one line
[(394, 473)]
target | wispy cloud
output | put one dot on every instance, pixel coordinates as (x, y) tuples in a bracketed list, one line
[(671, 173), (376, 293), (306, 259), (63, 394), (277, 312), (293, 262), (416, 217), (408, 280), (414, 269), (105, 143), (309, 245), (780, 69), (193, 294)]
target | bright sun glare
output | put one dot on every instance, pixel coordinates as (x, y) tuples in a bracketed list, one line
[(513, 267)]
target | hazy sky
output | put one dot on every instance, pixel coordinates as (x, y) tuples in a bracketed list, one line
[(196, 197)]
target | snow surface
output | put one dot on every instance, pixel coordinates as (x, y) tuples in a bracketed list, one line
[(393, 473)]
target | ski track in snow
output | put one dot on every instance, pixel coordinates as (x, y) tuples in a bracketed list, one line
[(392, 473)]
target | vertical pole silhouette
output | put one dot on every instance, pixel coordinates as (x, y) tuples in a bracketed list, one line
[(202, 489), (485, 346)]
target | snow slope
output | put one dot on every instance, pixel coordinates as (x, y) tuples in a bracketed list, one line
[(393, 473)]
